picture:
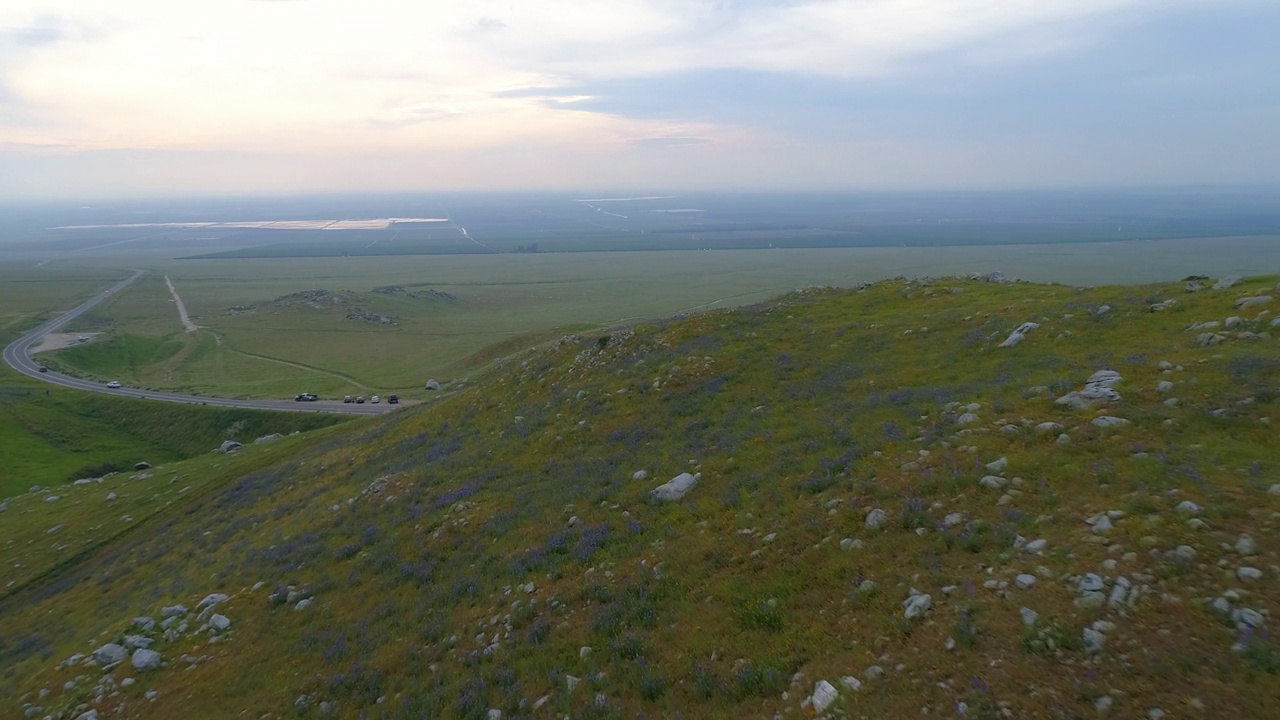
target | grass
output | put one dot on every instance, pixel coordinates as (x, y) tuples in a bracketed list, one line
[(50, 436), (461, 555), (504, 303)]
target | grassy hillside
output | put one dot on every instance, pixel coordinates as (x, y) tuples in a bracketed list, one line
[(855, 451), (50, 436)]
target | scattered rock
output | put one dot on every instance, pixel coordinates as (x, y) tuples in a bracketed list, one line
[(1100, 387), (1093, 640), (433, 384), (1246, 545), (1228, 282), (1090, 589), (1106, 421), (1186, 507), (1209, 339), (875, 519), (998, 466), (144, 659), (916, 605), (110, 654), (229, 446), (1029, 616), (1019, 335), (220, 622), (1025, 581), (212, 599), (1256, 300), (1248, 574), (676, 488), (824, 694), (173, 611), (143, 465), (303, 604)]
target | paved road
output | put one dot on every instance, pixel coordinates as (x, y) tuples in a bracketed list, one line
[(18, 357)]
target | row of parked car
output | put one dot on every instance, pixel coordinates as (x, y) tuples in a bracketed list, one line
[(312, 397)]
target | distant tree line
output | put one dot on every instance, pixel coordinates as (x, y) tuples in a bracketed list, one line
[(530, 248)]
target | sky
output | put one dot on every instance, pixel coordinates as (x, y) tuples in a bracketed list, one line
[(156, 97)]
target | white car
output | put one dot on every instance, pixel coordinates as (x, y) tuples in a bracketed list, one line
[(375, 399), (113, 384)]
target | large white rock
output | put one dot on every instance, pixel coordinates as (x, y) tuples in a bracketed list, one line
[(1248, 302), (916, 605), (676, 488), (824, 693), (144, 659), (1100, 387), (110, 653), (212, 599), (1019, 335), (875, 519)]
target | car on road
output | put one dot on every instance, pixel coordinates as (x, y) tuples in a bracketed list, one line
[(393, 399), (307, 397), (44, 369), (113, 384), (348, 399), (360, 399), (375, 399)]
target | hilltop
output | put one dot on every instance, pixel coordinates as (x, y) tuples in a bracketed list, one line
[(955, 497)]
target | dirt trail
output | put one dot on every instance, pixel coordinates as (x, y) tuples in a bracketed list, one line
[(182, 308), (300, 366)]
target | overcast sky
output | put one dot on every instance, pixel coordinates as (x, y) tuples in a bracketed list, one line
[(139, 97)]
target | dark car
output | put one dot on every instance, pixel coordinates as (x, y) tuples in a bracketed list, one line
[(393, 399), (307, 397), (44, 369), (360, 399)]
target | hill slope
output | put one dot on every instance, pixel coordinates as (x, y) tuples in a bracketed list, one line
[(892, 516)]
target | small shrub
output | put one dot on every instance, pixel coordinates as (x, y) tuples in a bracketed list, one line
[(763, 615), (1049, 637)]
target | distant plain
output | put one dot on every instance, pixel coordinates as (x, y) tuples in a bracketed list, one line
[(502, 273)]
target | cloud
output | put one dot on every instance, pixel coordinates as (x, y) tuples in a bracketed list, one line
[(486, 24), (669, 141), (584, 81)]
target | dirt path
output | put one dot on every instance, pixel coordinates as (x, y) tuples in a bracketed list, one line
[(300, 366), (182, 308)]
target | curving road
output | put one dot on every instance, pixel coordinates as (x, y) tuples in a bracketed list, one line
[(18, 356)]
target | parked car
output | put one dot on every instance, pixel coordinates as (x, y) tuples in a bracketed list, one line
[(348, 399), (360, 399), (375, 399), (113, 384), (307, 397), (393, 399)]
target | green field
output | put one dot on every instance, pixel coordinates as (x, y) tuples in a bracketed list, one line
[(252, 346)]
